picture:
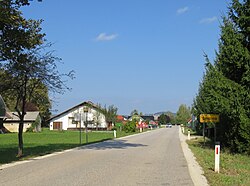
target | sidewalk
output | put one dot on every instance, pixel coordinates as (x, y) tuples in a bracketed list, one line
[(194, 168)]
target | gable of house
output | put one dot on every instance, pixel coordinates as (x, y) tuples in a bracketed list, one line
[(67, 119)]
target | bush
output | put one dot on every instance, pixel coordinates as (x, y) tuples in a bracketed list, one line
[(130, 126)]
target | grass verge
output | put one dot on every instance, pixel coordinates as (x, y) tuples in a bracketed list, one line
[(234, 168), (46, 142)]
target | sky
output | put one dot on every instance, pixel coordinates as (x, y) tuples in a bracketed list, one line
[(146, 55)]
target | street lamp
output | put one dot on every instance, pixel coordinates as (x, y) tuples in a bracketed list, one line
[(86, 110)]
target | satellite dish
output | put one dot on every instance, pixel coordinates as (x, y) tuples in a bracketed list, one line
[(2, 108)]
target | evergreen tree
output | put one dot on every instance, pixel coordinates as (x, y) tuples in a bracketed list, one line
[(225, 88)]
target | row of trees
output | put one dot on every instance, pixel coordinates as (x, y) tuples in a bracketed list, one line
[(182, 116), (28, 70), (225, 89)]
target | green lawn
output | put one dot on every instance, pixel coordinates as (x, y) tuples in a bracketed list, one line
[(234, 169), (45, 142)]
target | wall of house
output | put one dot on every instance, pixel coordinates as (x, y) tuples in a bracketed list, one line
[(67, 119), (13, 127), (62, 119)]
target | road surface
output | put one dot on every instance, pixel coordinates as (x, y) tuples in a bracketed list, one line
[(152, 158)]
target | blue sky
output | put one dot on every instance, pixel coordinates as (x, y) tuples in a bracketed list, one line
[(134, 54)]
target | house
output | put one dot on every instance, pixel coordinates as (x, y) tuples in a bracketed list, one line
[(11, 122), (77, 117), (136, 117), (148, 117), (152, 124)]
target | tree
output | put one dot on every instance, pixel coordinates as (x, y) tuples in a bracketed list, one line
[(39, 101), (171, 117), (25, 63), (97, 116), (130, 126), (225, 88), (163, 119), (134, 112), (183, 114), (110, 114)]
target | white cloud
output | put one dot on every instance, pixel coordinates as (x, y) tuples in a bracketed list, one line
[(208, 20), (182, 10), (106, 37)]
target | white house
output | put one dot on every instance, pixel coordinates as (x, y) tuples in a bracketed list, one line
[(11, 122), (78, 116)]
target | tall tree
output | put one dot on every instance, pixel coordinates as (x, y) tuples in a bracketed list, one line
[(97, 115), (171, 116), (110, 115), (25, 63), (183, 114), (225, 88), (162, 119)]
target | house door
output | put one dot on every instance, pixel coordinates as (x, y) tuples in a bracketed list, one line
[(57, 125)]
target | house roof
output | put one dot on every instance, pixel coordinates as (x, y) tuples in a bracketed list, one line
[(148, 117), (29, 116), (120, 117), (152, 122), (85, 103)]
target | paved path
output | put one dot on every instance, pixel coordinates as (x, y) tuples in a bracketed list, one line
[(152, 158)]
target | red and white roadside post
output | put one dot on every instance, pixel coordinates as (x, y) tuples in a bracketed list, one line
[(217, 157)]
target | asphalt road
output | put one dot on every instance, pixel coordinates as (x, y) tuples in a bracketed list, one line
[(152, 158)]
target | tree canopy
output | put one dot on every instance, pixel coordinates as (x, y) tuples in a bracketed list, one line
[(225, 88), (183, 114), (27, 69)]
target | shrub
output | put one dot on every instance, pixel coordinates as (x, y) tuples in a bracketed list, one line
[(130, 126)]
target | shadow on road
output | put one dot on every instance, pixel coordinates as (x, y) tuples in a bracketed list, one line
[(112, 144)]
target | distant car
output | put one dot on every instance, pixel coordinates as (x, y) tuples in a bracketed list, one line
[(169, 125)]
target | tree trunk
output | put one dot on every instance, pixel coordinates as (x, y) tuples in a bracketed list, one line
[(20, 139)]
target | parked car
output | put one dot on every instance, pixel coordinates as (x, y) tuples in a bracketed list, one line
[(169, 125)]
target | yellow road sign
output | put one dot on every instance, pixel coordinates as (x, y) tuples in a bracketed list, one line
[(207, 118)]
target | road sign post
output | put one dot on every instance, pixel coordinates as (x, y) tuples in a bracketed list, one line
[(209, 118)]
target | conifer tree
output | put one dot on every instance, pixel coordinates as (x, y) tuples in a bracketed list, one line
[(225, 88)]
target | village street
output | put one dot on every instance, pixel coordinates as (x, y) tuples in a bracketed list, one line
[(151, 158)]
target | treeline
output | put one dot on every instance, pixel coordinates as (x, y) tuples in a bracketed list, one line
[(225, 88)]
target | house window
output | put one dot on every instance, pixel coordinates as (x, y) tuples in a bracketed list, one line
[(72, 121)]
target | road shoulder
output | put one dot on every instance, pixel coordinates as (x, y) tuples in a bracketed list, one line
[(195, 170)]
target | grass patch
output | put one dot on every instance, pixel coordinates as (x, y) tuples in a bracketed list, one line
[(46, 142), (234, 168)]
